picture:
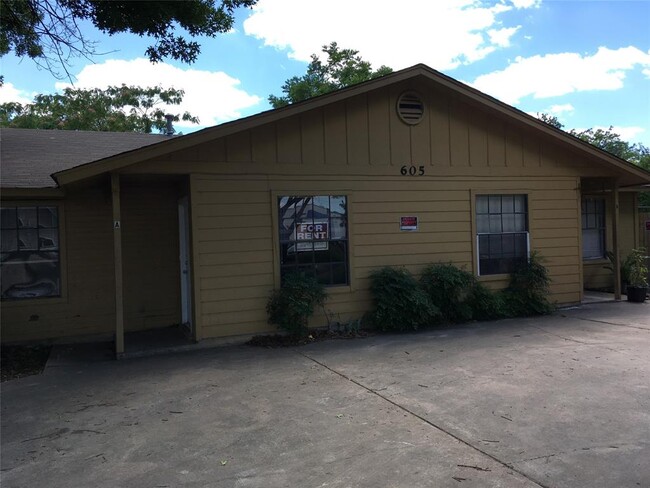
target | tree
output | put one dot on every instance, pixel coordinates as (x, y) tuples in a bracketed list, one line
[(550, 120), (344, 67), (610, 141), (118, 108), (607, 140), (49, 31)]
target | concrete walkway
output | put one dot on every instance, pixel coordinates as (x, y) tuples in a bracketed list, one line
[(559, 401)]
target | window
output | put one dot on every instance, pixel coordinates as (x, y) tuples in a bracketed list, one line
[(593, 228), (502, 232), (29, 265), (314, 237)]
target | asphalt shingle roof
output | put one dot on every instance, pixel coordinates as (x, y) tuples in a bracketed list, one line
[(29, 156)]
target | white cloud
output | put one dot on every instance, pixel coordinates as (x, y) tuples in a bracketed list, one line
[(646, 72), (214, 97), (554, 75), (560, 109), (440, 34), (526, 3), (9, 93), (501, 37), (627, 133)]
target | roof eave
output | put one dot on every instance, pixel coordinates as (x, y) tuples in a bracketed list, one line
[(118, 161), (31, 193), (179, 143)]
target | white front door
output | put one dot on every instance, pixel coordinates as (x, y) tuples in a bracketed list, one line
[(184, 246)]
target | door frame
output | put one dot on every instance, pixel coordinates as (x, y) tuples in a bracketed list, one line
[(185, 265)]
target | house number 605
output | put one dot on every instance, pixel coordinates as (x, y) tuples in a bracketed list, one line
[(412, 170)]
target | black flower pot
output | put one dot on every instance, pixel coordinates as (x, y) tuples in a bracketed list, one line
[(636, 294)]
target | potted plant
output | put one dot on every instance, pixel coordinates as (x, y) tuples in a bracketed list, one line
[(625, 269), (637, 287)]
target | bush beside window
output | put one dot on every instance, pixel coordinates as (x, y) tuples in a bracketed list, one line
[(444, 294), (486, 304), (449, 294), (293, 304), (527, 293), (400, 302), (449, 288)]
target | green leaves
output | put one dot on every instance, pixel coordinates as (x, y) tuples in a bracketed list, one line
[(18, 28), (446, 293), (527, 293), (638, 270), (610, 141), (118, 109), (48, 30), (400, 303), (291, 306), (449, 288), (607, 140), (344, 67)]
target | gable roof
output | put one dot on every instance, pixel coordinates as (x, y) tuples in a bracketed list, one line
[(634, 175), (29, 157)]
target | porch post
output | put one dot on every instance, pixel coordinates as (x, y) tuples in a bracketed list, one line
[(117, 249), (616, 240)]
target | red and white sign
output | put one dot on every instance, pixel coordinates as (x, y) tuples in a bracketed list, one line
[(409, 223)]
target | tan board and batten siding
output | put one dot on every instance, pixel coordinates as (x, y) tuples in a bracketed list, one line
[(87, 305), (356, 148)]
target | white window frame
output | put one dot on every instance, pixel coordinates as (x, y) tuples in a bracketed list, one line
[(478, 235)]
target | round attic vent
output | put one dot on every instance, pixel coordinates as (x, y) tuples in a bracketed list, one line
[(410, 108)]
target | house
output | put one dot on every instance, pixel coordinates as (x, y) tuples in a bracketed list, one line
[(106, 233)]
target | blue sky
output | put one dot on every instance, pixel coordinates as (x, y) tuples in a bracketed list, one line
[(585, 61)]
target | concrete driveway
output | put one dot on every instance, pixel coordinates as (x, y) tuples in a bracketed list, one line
[(560, 401)]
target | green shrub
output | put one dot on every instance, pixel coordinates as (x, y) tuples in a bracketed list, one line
[(291, 306), (487, 304), (400, 303), (449, 288), (527, 293), (626, 265), (638, 270), (446, 292)]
